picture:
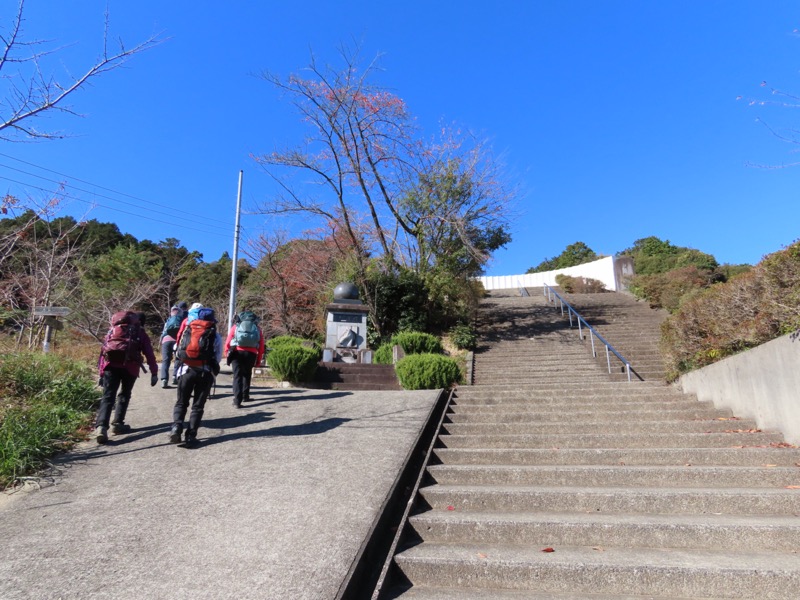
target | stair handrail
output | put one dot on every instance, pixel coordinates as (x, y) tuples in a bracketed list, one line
[(549, 293)]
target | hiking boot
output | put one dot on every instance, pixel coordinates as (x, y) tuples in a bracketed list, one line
[(164, 383), (101, 435), (191, 438), (120, 428), (175, 434)]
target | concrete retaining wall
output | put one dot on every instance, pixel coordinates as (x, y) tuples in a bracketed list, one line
[(603, 270), (762, 383)]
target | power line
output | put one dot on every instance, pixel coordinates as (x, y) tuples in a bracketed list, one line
[(179, 214), (137, 215), (162, 206)]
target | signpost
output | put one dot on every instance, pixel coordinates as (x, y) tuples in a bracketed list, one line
[(50, 312)]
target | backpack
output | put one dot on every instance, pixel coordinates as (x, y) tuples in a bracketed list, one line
[(247, 334), (172, 326), (122, 343), (196, 346)]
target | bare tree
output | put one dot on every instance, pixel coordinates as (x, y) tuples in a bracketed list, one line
[(291, 280), (40, 266), (370, 166), (358, 151), (28, 92)]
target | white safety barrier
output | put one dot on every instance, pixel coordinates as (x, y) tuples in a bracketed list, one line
[(606, 270)]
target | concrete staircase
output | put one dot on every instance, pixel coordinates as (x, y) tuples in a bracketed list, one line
[(632, 327), (552, 481)]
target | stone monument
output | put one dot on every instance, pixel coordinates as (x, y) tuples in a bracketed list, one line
[(346, 331)]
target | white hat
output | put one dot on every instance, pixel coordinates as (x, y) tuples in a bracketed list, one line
[(196, 305)]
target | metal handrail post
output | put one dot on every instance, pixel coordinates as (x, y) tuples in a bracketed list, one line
[(628, 370), (580, 330), (608, 360), (591, 337)]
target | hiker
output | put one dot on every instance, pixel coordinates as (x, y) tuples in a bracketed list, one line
[(119, 364), (169, 336), (244, 349), (199, 349)]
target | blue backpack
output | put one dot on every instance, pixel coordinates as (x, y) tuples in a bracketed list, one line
[(172, 326), (247, 334)]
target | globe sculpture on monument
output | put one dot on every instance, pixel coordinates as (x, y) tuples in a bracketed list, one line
[(346, 330)]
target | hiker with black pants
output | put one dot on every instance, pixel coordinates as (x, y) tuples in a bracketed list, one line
[(169, 336), (200, 350), (119, 365), (244, 348)]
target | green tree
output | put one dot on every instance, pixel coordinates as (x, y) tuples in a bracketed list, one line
[(125, 278), (210, 284), (573, 255), (653, 255), (457, 221)]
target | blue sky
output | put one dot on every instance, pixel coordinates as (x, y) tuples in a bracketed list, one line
[(615, 120)]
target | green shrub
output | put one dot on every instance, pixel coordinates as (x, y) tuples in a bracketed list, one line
[(416, 342), (293, 362), (45, 401), (383, 355), (284, 340), (579, 285), (427, 372), (464, 337)]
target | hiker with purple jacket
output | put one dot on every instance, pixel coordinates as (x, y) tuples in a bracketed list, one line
[(119, 365)]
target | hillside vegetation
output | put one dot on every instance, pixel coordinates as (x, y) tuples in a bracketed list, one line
[(749, 309), (715, 310)]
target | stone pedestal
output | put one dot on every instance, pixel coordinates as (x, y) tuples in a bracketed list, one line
[(346, 328)]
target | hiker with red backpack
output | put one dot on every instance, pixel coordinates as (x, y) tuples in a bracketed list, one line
[(244, 348), (169, 335), (119, 365), (199, 349)]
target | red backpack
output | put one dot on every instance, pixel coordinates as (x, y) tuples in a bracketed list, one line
[(122, 343), (196, 346)]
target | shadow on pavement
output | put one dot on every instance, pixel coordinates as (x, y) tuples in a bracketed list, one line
[(311, 428), (254, 402)]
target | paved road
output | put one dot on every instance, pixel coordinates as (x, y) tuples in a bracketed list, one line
[(274, 503)]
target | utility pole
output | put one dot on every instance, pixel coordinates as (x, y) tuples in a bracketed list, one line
[(234, 267)]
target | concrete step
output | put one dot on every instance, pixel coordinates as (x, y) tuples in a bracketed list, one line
[(569, 424), (732, 533), (577, 405), (751, 457), (657, 500), (534, 398), (611, 440), (508, 414), (441, 593), (356, 376), (617, 476), (610, 570), (559, 387)]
